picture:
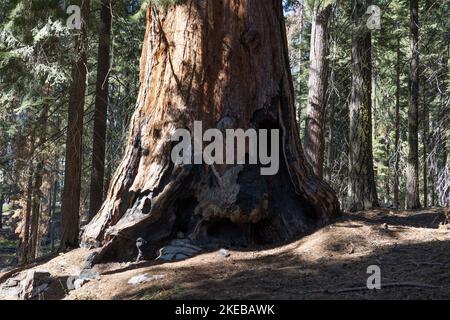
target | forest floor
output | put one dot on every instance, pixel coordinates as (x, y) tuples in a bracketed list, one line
[(411, 248)]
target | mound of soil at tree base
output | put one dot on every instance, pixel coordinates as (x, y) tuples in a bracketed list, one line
[(412, 250)]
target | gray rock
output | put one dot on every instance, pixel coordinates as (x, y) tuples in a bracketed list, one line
[(26, 285), (89, 275), (35, 282), (178, 249), (180, 256), (224, 253), (143, 278), (79, 283), (40, 289), (89, 263), (138, 279), (166, 257)]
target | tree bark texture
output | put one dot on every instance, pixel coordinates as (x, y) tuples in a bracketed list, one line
[(72, 174), (397, 129), (225, 63), (101, 110), (412, 170), (362, 193), (314, 143)]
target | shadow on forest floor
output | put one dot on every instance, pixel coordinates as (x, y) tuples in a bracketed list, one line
[(287, 276), (417, 219), (412, 252), (411, 249)]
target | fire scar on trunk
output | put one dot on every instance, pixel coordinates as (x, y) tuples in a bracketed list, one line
[(224, 63)]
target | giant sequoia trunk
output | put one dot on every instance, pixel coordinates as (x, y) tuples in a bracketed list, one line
[(224, 63)]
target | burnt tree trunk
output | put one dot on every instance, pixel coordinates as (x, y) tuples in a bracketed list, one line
[(224, 63), (72, 173), (362, 194), (101, 110), (412, 170), (317, 86)]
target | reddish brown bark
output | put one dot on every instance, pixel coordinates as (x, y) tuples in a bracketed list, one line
[(317, 85), (224, 63), (101, 110), (70, 208)]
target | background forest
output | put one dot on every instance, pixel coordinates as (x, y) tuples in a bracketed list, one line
[(39, 101)]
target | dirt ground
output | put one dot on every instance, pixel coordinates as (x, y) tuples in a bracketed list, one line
[(411, 249)]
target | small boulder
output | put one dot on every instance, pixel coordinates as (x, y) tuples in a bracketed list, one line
[(25, 285), (178, 249), (143, 278), (138, 279), (79, 283), (224, 253), (35, 282)]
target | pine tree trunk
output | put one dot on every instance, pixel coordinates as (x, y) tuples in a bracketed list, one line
[(397, 128), (412, 170), (101, 111), (426, 134), (52, 217), (36, 188), (72, 174), (317, 85), (387, 176), (297, 85), (25, 241), (2, 201), (35, 213), (330, 154), (362, 193), (445, 111), (224, 63)]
